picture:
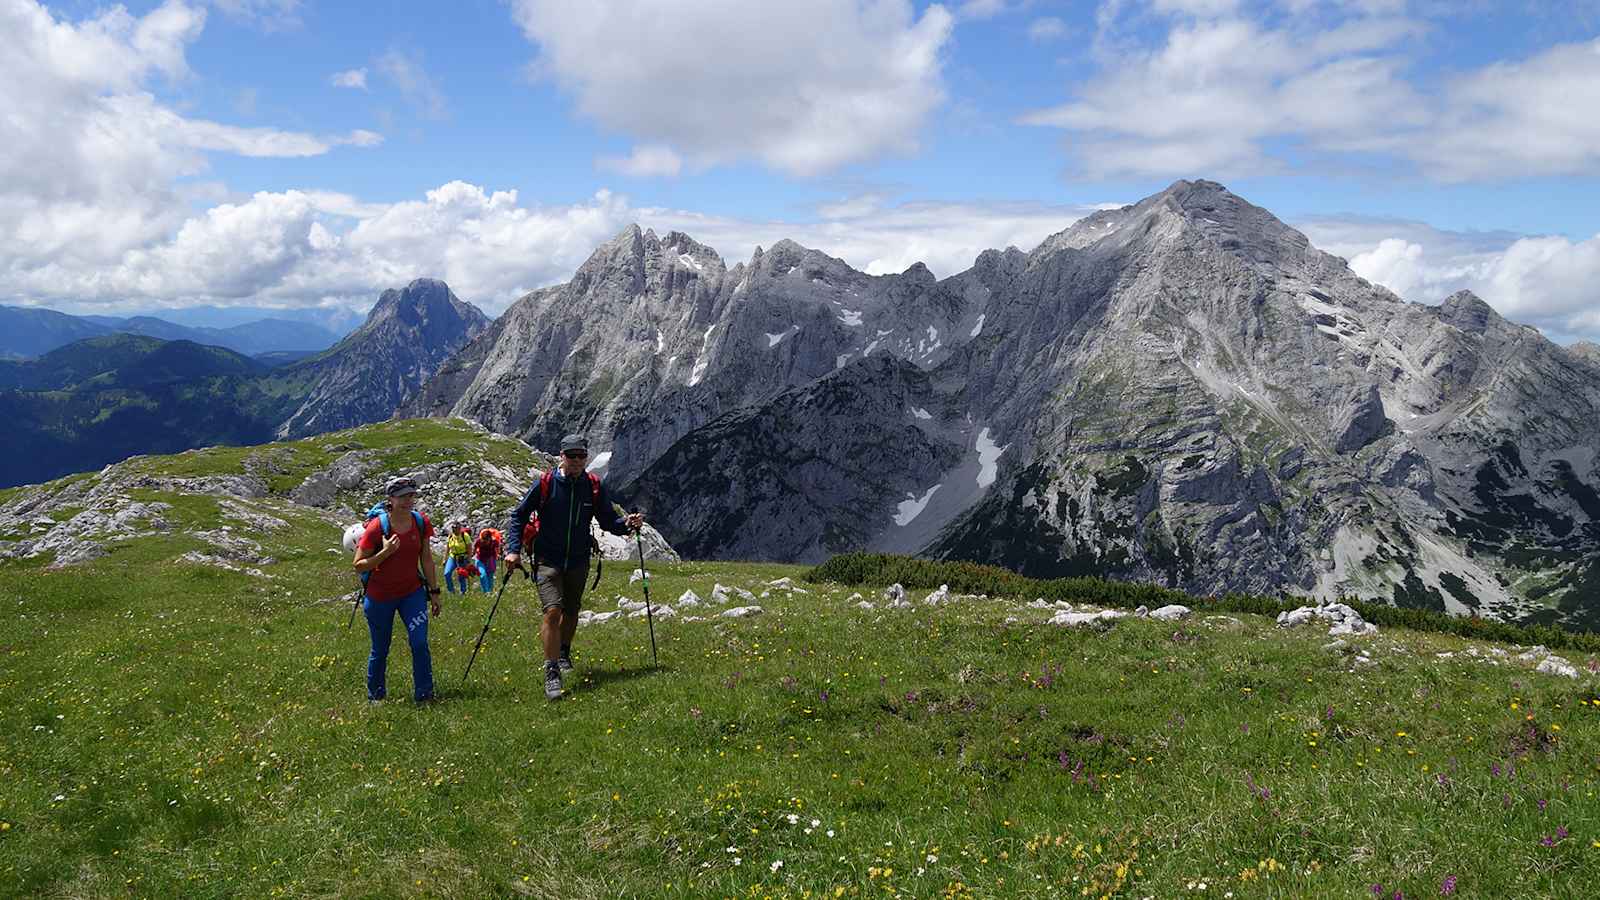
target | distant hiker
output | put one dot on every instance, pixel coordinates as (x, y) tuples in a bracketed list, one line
[(391, 548), (459, 548), (487, 550), (565, 500)]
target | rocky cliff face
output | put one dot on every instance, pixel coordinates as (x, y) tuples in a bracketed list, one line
[(1183, 390), (378, 367)]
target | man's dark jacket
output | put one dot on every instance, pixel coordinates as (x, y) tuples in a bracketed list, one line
[(563, 540)]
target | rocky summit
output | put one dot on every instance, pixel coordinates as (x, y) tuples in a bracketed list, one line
[(380, 365)]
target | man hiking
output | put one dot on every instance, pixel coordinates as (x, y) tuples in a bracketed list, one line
[(565, 500), (388, 554)]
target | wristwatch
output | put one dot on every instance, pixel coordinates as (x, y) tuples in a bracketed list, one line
[(433, 590)]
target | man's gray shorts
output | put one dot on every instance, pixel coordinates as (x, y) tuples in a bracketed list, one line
[(558, 588)]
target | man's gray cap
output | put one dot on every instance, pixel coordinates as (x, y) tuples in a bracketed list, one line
[(574, 442), (399, 486)]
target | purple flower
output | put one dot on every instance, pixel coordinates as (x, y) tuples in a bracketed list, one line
[(1495, 770), (1561, 832), (1329, 714), (823, 696), (1543, 803), (1547, 841), (1448, 886), (1377, 890)]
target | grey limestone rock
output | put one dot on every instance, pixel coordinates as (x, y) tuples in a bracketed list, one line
[(1182, 391)]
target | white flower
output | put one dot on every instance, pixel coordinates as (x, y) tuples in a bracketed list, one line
[(738, 860), (60, 797), (815, 822), (733, 849), (793, 819), (776, 865), (830, 832), (932, 858)]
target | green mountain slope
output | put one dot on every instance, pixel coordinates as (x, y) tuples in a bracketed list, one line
[(104, 399), (181, 725)]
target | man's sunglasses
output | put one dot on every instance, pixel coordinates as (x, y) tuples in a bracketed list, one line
[(575, 454)]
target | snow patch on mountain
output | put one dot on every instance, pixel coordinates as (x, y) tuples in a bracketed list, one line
[(988, 458), (701, 361), (912, 506)]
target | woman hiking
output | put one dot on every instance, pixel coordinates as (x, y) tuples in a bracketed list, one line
[(458, 546), (400, 576)]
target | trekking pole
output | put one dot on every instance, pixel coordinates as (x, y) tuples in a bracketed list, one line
[(503, 583), (645, 577), (353, 607)]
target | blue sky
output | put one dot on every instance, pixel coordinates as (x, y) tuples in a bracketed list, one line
[(302, 155)]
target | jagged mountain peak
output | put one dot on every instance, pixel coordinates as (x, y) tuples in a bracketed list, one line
[(1203, 207), (413, 302), (1468, 312), (637, 257), (1586, 350), (787, 255)]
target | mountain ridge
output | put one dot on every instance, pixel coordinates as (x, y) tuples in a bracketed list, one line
[(1183, 390)]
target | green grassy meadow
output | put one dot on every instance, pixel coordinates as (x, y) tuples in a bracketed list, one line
[(174, 729)]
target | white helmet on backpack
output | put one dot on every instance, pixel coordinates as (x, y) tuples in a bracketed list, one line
[(352, 534)]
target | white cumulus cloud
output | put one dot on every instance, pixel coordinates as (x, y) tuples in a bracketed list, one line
[(1222, 88), (805, 87), (94, 164), (1551, 282)]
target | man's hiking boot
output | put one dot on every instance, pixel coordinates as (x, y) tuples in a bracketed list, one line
[(552, 681), (564, 664)]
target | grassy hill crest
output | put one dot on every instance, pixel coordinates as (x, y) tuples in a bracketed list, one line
[(188, 719)]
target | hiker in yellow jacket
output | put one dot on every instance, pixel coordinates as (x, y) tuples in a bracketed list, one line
[(459, 548)]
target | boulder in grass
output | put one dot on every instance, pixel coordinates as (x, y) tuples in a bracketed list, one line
[(787, 584), (1344, 619), (1171, 613), (740, 612), (938, 597), (637, 575), (1555, 665), (865, 604), (689, 598), (1073, 619)]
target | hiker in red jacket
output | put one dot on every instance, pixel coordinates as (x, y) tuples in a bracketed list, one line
[(394, 551), (487, 550)]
